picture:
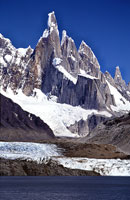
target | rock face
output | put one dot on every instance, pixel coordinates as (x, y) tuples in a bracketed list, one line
[(115, 131), (19, 125), (120, 84), (13, 64), (59, 69), (118, 79), (55, 68)]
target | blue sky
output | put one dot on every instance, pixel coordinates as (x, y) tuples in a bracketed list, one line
[(103, 24)]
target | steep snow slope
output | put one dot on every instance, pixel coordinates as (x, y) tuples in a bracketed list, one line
[(121, 103)]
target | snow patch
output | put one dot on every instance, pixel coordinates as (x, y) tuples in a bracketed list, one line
[(6, 39), (22, 51), (8, 58), (121, 103), (66, 74), (128, 93), (56, 61), (45, 34), (83, 73), (73, 58)]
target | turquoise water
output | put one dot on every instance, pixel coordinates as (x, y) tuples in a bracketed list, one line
[(64, 188)]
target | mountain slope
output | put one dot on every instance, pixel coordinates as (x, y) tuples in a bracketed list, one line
[(115, 131), (19, 125), (59, 117)]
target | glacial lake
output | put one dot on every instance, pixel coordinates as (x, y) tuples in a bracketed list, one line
[(64, 188)]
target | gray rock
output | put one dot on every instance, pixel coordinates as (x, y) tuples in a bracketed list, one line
[(70, 54), (115, 131), (109, 78), (120, 83), (80, 128)]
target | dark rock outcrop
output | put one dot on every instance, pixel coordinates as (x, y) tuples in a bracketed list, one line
[(94, 120), (19, 125), (115, 131), (30, 168)]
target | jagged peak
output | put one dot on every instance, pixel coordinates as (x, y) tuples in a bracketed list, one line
[(107, 73), (52, 23), (83, 47), (10, 43), (84, 43), (64, 36), (1, 36), (117, 73), (6, 39), (109, 78), (29, 47), (86, 50), (64, 33), (118, 69)]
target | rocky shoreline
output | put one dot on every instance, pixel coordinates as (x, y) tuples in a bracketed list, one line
[(32, 168)]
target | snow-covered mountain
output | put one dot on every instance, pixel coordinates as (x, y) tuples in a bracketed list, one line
[(62, 85)]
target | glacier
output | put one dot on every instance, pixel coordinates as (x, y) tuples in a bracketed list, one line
[(42, 153), (58, 116), (105, 167), (28, 151)]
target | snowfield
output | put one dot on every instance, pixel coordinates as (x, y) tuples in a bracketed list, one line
[(58, 116), (41, 153)]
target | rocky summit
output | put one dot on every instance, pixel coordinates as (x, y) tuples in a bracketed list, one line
[(65, 76)]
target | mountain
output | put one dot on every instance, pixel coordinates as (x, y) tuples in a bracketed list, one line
[(115, 131), (65, 82), (19, 125)]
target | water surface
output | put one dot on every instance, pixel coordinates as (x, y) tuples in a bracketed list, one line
[(64, 188)]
